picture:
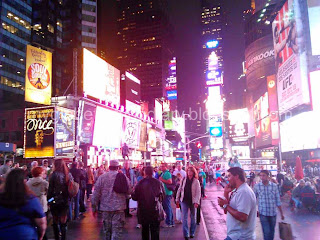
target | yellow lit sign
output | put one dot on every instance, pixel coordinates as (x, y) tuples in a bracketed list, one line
[(38, 77)]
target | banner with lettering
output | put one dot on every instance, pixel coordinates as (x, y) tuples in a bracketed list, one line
[(39, 132), (38, 77), (65, 132)]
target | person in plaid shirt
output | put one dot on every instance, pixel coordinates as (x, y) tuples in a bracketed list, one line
[(268, 198)]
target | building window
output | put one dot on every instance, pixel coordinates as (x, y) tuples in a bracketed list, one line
[(50, 28), (9, 28)]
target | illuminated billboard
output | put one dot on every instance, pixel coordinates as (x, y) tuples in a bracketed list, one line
[(38, 79), (87, 113), (214, 77), (152, 138), (172, 95), (39, 132), (133, 88), (212, 44), (131, 132), (65, 132), (215, 131), (238, 123), (107, 128), (171, 82), (314, 22), (100, 79), (290, 50)]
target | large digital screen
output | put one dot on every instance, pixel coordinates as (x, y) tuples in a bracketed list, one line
[(171, 82), (216, 131), (87, 113), (300, 132), (39, 132), (100, 79), (314, 22), (38, 77), (65, 132), (131, 132), (133, 88), (290, 50), (212, 44), (214, 77), (238, 120), (172, 95), (107, 128)]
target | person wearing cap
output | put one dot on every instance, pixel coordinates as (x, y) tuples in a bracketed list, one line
[(268, 198), (112, 204)]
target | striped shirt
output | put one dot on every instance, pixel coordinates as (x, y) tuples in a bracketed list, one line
[(268, 198)]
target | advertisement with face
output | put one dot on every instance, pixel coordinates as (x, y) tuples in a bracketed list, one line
[(100, 79), (39, 132), (143, 137), (290, 50), (86, 122), (38, 76), (263, 133), (107, 128), (152, 138), (131, 132), (65, 131)]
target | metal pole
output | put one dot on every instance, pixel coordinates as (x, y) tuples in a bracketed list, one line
[(185, 144), (75, 71)]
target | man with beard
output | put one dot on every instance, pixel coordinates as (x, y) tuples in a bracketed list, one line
[(239, 203)]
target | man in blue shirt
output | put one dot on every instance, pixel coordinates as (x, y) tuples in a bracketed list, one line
[(268, 197), (166, 178)]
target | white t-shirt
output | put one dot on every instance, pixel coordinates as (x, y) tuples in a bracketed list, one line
[(182, 172), (243, 200)]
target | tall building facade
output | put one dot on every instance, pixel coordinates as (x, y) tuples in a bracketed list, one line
[(15, 34), (144, 34), (89, 25)]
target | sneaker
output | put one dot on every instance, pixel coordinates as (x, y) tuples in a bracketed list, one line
[(191, 236), (172, 225), (166, 226), (138, 226)]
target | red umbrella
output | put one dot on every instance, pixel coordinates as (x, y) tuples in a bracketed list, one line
[(299, 170)]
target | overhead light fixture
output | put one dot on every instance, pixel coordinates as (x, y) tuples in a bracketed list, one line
[(267, 22)]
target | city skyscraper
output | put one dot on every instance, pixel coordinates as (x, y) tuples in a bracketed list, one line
[(144, 33), (15, 34)]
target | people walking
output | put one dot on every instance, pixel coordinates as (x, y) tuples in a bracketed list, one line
[(82, 187), (239, 203), (21, 214), (268, 197), (147, 192), (5, 168), (39, 186), (129, 172), (112, 204), (90, 181), (188, 196), (78, 177), (179, 170), (58, 197), (166, 178)]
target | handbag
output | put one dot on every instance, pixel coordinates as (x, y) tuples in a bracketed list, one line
[(159, 208), (285, 231), (73, 188)]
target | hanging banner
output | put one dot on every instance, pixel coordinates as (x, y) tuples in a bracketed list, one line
[(87, 113), (38, 77), (39, 132), (65, 130)]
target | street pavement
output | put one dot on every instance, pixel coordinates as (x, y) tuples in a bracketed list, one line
[(90, 228), (305, 225)]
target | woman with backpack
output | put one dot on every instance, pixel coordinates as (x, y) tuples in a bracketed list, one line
[(58, 197), (188, 196)]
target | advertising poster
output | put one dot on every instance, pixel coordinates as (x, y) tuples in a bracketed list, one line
[(38, 77), (290, 50), (273, 109), (65, 132), (238, 123), (100, 79), (39, 132), (171, 82), (143, 137), (263, 132), (152, 138), (86, 122), (107, 128), (131, 132)]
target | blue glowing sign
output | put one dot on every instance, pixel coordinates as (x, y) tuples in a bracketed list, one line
[(214, 77), (172, 95), (216, 131), (212, 44)]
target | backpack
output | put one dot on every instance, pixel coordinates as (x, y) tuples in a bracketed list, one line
[(172, 186), (120, 184), (73, 188)]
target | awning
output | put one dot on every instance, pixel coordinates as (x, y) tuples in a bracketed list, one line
[(313, 160)]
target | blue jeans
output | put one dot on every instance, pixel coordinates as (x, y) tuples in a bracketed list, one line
[(168, 209), (268, 224), (75, 200), (228, 238), (185, 210)]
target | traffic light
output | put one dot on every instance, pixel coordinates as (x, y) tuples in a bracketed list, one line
[(199, 145)]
